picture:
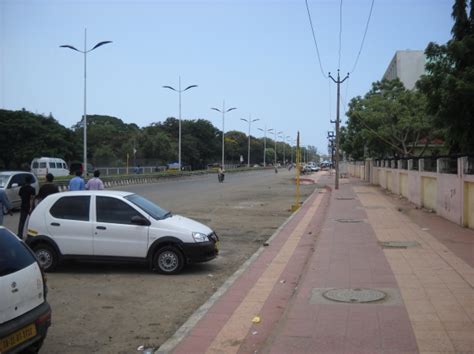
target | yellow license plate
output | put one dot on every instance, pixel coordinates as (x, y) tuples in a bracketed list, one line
[(217, 245), (18, 337)]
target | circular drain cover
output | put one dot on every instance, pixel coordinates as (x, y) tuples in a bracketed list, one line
[(354, 295)]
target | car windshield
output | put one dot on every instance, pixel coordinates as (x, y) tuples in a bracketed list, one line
[(4, 180), (151, 208)]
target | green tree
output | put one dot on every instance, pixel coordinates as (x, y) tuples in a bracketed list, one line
[(106, 133), (388, 121), (449, 82), (24, 136)]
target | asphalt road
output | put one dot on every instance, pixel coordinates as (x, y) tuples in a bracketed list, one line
[(114, 308)]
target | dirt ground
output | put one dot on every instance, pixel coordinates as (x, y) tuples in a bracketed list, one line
[(115, 308)]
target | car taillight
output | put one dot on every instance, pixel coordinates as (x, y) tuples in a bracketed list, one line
[(44, 318)]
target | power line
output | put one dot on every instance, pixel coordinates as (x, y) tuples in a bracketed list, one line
[(363, 38), (314, 39), (340, 35)]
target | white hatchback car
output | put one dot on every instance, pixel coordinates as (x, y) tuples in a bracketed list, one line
[(116, 225), (25, 314)]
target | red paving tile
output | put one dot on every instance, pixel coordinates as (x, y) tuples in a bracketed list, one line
[(329, 255)]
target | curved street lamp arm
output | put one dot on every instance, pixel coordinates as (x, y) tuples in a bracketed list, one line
[(216, 109), (70, 47), (169, 87), (99, 44), (254, 120), (245, 120), (187, 88), (231, 109)]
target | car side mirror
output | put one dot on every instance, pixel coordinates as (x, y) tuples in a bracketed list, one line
[(14, 185), (140, 220)]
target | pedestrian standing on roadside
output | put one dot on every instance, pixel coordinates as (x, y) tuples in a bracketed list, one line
[(77, 183), (95, 183), (5, 205), (48, 188), (27, 194)]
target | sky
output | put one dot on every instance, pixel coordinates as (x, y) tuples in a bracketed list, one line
[(257, 55)]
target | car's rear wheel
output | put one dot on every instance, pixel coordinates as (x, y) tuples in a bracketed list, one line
[(168, 260), (47, 256)]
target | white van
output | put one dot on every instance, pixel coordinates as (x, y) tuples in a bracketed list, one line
[(41, 166)]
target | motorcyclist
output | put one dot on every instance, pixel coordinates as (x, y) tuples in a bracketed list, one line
[(220, 174)]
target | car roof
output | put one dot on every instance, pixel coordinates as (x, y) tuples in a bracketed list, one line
[(13, 172), (97, 192)]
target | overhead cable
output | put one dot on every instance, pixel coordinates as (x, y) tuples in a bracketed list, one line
[(314, 39), (363, 38)]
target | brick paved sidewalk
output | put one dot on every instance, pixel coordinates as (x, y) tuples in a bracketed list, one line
[(334, 241)]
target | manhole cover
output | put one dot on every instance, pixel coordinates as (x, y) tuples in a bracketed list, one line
[(349, 220), (354, 295), (399, 244), (345, 198)]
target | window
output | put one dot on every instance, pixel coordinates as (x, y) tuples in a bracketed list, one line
[(14, 255), (112, 210), (52, 165), (19, 179), (42, 164), (73, 208), (35, 164)]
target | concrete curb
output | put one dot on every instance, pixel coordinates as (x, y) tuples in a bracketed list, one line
[(184, 330)]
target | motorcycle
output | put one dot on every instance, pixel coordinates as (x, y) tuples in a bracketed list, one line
[(220, 177)]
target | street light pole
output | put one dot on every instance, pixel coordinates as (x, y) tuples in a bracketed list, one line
[(179, 134), (84, 118), (224, 111), (249, 121), (265, 143), (275, 133)]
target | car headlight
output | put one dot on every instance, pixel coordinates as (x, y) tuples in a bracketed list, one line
[(200, 237)]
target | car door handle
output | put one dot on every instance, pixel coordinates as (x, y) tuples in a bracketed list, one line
[(101, 228), (55, 224)]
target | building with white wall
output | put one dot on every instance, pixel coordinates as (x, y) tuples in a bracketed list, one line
[(406, 65)]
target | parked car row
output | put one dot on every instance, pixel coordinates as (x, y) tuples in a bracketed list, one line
[(87, 225)]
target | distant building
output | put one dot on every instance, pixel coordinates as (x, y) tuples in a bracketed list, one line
[(406, 65)]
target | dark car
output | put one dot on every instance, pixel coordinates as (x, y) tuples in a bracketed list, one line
[(25, 315), (79, 166)]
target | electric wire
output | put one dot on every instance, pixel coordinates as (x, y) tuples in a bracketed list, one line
[(340, 35), (314, 40), (363, 38)]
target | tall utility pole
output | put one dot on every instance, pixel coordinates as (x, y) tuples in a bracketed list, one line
[(224, 111), (84, 119), (338, 82), (265, 143), (179, 129), (249, 121)]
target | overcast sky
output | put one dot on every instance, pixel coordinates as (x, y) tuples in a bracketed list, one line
[(258, 55)]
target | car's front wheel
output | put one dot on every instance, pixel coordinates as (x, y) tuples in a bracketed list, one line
[(47, 256), (168, 260)]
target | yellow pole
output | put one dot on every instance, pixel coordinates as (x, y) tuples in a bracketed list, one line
[(127, 162), (296, 206)]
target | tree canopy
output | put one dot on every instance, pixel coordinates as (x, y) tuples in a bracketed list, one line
[(24, 136), (449, 82), (388, 121)]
